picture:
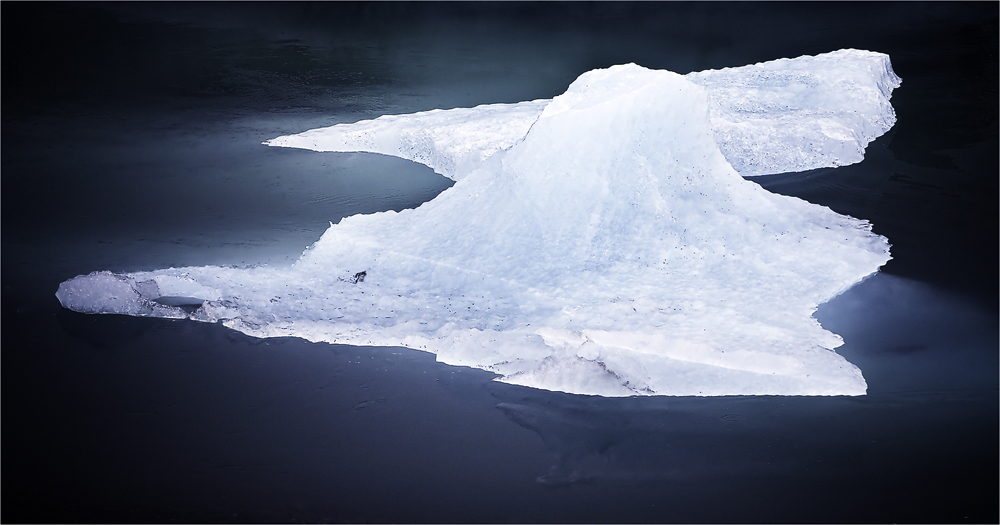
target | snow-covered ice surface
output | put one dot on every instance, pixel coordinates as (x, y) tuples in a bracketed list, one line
[(775, 117), (453, 142), (598, 243)]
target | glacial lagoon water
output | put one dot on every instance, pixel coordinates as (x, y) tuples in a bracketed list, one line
[(138, 147)]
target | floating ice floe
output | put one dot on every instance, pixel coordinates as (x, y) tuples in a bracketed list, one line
[(597, 243)]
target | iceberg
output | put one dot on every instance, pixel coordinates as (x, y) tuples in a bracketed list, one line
[(600, 242)]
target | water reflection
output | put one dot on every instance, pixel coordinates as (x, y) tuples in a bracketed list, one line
[(928, 356), (131, 140)]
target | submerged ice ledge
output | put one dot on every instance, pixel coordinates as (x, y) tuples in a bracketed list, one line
[(597, 243)]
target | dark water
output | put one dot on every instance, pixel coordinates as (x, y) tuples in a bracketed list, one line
[(131, 141)]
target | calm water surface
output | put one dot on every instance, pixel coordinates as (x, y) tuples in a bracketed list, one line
[(131, 141)]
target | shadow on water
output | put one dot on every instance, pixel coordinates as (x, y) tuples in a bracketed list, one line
[(926, 431)]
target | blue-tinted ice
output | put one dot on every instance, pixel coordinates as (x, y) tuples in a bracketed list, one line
[(598, 243)]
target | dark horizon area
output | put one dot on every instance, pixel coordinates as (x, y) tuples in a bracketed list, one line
[(130, 141)]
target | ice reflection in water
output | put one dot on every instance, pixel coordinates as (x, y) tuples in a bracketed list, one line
[(171, 402), (928, 358)]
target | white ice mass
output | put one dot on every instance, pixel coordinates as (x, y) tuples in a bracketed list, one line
[(597, 243)]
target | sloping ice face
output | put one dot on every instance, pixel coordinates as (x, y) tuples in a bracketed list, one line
[(597, 243)]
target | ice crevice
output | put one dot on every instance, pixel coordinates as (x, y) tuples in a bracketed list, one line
[(601, 242)]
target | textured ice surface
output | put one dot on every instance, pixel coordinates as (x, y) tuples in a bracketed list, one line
[(802, 113), (774, 117), (608, 249)]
